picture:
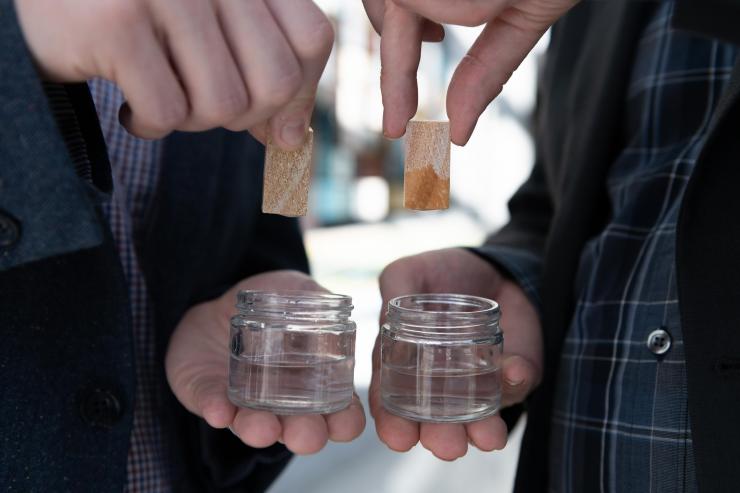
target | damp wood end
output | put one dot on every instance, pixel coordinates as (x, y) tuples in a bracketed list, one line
[(426, 177)]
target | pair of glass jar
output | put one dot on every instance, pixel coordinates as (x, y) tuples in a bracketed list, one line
[(293, 353)]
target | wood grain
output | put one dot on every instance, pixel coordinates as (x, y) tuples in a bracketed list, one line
[(426, 177), (287, 179)]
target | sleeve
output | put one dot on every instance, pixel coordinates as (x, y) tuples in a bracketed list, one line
[(50, 209), (518, 248), (279, 246)]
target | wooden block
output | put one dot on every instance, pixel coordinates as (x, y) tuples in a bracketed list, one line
[(287, 177), (426, 177)]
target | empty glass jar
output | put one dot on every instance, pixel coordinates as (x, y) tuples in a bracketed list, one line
[(440, 357), (292, 352)]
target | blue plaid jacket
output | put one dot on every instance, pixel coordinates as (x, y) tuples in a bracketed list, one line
[(629, 109)]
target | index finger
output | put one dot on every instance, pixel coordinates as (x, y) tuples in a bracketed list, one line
[(375, 9), (400, 52)]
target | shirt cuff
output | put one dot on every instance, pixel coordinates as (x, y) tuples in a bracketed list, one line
[(521, 266)]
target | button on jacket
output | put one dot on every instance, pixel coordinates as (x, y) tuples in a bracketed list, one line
[(565, 204)]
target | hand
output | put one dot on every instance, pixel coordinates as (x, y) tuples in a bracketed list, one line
[(189, 64), (512, 28), (460, 271), (197, 367)]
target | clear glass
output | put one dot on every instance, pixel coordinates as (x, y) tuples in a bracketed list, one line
[(292, 352), (440, 357)]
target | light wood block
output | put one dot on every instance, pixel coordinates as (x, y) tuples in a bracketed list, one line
[(287, 178), (426, 177)]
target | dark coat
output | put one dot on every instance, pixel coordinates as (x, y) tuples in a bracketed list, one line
[(66, 367), (564, 203)]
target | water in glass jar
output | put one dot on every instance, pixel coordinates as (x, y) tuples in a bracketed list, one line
[(425, 390), (292, 383)]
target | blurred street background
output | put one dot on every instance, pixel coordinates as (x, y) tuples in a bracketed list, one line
[(356, 226)]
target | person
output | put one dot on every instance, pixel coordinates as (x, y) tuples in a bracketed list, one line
[(617, 271), (118, 276)]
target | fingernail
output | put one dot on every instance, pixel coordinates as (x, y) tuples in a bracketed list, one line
[(514, 383), (293, 132)]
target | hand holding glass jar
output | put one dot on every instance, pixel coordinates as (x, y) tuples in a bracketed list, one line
[(469, 337), (197, 371)]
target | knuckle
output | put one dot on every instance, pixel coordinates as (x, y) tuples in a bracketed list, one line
[(282, 89), (386, 272), (168, 117), (121, 13), (223, 110), (476, 15), (321, 41)]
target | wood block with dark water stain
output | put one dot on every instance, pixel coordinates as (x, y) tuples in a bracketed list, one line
[(287, 178), (426, 177)]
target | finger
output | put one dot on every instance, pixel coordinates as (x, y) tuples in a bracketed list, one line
[(257, 429), (266, 60), (460, 12), (212, 81), (482, 73), (209, 401), (431, 31), (397, 433), (155, 101), (311, 37), (519, 378), (306, 434), (445, 441), (488, 434), (375, 10), (400, 51), (347, 424)]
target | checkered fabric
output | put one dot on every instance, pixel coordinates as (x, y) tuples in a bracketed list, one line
[(620, 418), (620, 421), (135, 165)]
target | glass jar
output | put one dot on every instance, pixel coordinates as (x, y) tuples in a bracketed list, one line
[(292, 352), (440, 357)]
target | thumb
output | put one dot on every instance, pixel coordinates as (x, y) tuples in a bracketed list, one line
[(404, 276), (211, 402), (518, 379)]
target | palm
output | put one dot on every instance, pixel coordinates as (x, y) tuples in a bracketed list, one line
[(197, 359), (460, 271)]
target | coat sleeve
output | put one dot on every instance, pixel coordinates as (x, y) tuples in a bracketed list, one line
[(517, 249), (41, 196), (279, 246)]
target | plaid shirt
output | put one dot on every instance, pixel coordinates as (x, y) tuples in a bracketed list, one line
[(135, 165), (620, 418)]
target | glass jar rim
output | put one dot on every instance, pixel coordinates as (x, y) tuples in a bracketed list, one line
[(482, 306), (293, 301), (444, 317)]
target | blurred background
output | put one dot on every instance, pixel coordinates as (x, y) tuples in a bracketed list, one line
[(356, 226)]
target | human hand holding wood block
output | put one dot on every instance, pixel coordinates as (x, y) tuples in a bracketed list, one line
[(287, 177), (426, 177)]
